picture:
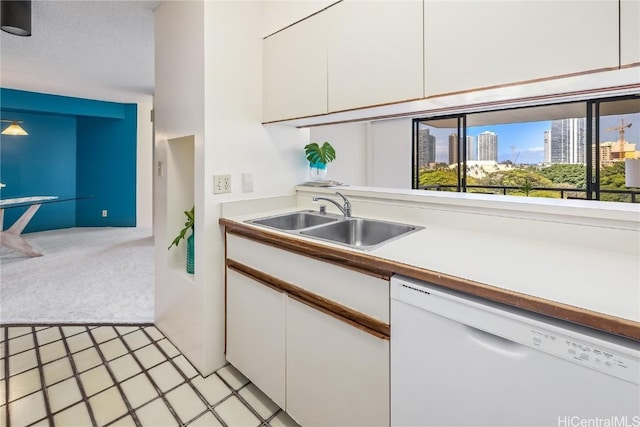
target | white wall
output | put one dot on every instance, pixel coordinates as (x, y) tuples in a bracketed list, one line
[(209, 84), (350, 142), (390, 157), (144, 168), (179, 111)]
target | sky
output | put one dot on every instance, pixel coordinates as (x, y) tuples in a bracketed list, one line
[(527, 139)]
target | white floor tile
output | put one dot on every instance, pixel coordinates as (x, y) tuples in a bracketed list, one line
[(112, 349), (136, 339), (283, 420), (63, 394), (27, 410), (124, 422), (212, 388), (154, 333), (185, 402), (165, 376), (52, 351), (139, 390), (57, 370), (156, 414), (206, 420), (17, 331), (233, 377), (126, 329), (168, 348), (124, 367), (95, 380), (79, 342), (22, 362), (76, 416), (1, 369), (69, 331), (103, 333), (2, 396), (107, 406), (16, 345), (234, 413), (46, 336), (25, 383), (259, 401), (1, 333), (185, 366), (86, 359), (149, 356)]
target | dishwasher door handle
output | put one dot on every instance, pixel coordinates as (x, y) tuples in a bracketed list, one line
[(496, 343)]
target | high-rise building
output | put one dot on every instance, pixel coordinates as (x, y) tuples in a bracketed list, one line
[(547, 147), (471, 153), (426, 148), (567, 141), (488, 146), (453, 148)]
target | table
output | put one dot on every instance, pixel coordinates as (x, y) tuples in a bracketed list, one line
[(11, 237)]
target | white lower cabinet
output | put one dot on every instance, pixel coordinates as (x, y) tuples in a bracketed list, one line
[(337, 374), (256, 316)]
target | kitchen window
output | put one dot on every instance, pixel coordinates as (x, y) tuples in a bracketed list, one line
[(570, 150)]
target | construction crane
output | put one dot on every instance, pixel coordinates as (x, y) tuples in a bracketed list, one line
[(620, 130)]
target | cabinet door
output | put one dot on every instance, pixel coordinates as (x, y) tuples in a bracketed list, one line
[(295, 71), (375, 53), (256, 333), (629, 32), (337, 374), (471, 45)]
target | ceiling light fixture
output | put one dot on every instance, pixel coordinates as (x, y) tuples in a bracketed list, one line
[(14, 129), (15, 17)]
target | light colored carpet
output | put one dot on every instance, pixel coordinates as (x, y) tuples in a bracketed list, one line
[(87, 275)]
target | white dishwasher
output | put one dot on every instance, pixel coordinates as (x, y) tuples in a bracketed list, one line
[(457, 360)]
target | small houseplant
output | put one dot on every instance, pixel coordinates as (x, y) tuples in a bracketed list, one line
[(188, 225), (318, 157)]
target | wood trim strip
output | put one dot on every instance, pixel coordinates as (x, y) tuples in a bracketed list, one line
[(592, 319), (306, 248), (340, 318), (355, 318)]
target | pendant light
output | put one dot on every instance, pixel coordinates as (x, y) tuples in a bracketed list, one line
[(14, 129), (15, 17)]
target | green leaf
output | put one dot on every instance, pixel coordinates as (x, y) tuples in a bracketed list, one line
[(189, 224), (320, 154)]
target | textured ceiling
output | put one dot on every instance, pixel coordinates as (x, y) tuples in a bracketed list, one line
[(90, 49)]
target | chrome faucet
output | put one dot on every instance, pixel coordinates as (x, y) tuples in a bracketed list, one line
[(345, 209)]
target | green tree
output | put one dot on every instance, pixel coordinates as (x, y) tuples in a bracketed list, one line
[(573, 175), (430, 178), (612, 178), (524, 179)]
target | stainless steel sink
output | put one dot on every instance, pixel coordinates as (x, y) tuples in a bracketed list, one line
[(360, 233), (295, 220)]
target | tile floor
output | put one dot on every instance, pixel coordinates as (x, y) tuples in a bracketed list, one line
[(118, 376)]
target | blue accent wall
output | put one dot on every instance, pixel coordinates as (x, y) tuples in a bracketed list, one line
[(107, 169), (75, 147), (40, 164)]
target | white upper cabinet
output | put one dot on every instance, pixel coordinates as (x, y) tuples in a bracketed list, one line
[(475, 44), (295, 71), (629, 32), (375, 53)]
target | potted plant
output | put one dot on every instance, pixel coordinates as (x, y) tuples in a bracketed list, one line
[(188, 225), (318, 157)]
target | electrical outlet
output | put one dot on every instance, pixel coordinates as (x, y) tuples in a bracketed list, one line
[(104, 213), (221, 184)]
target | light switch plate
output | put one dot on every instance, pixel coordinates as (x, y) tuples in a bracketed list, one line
[(221, 184)]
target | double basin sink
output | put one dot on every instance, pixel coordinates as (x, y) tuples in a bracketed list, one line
[(359, 233)]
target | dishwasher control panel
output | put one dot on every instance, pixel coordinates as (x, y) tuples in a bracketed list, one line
[(604, 360)]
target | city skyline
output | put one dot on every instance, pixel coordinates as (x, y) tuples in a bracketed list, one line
[(528, 138)]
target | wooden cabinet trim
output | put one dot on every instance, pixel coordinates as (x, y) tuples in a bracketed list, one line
[(348, 315), (600, 321), (310, 250)]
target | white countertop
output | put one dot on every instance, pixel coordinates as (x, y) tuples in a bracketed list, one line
[(604, 280)]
